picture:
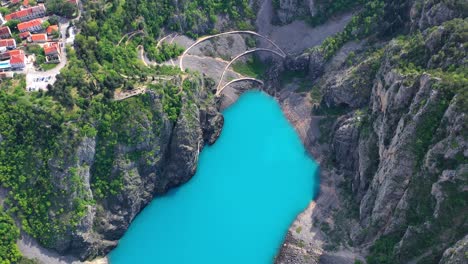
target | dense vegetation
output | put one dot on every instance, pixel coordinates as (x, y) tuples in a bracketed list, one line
[(9, 233), (164, 52), (100, 43), (106, 57), (63, 8), (252, 67), (77, 106), (24, 121)]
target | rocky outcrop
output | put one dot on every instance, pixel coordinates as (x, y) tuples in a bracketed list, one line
[(212, 122), (457, 253), (425, 14), (395, 155), (288, 10), (106, 178)]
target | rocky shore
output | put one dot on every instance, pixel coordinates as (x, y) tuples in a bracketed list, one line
[(368, 158), (164, 155)]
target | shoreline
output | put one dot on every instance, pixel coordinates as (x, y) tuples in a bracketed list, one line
[(31, 249), (295, 106)]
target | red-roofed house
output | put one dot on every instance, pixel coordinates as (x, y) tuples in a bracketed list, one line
[(25, 3), (51, 48), (7, 54), (33, 25), (51, 29), (27, 14), (8, 43), (17, 60), (5, 32), (38, 38), (25, 35), (52, 52), (14, 1)]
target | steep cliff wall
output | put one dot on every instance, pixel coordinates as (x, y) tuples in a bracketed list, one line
[(393, 149), (102, 167), (151, 154)]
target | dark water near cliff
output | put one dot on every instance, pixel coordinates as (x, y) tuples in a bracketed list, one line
[(248, 189)]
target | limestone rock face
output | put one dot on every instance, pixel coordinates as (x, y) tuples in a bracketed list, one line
[(151, 155), (394, 154), (457, 253), (212, 123), (316, 64), (345, 89), (74, 167), (430, 13), (289, 10)]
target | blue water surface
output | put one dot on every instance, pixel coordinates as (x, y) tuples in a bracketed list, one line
[(249, 188)]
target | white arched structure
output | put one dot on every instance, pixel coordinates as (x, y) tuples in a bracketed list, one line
[(218, 88), (239, 80), (202, 39)]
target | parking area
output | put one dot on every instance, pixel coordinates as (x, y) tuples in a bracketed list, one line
[(38, 80), (39, 83)]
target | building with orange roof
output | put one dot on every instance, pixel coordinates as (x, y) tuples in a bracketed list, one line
[(32, 26), (51, 48), (5, 32), (51, 29), (39, 38), (8, 43), (25, 35), (15, 52), (7, 54), (27, 14), (52, 52), (17, 60), (25, 3)]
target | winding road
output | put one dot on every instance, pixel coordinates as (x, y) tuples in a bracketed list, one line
[(172, 35), (218, 90), (202, 39), (220, 87), (129, 35), (136, 33)]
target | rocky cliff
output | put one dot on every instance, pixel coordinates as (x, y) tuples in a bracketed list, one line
[(384, 116), (287, 11), (393, 146), (100, 169), (156, 155)]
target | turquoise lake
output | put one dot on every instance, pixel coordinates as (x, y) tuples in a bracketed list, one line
[(249, 187)]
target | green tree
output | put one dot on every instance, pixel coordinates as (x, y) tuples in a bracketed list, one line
[(61, 8), (45, 24), (13, 24), (9, 233), (55, 34), (4, 10), (53, 20)]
